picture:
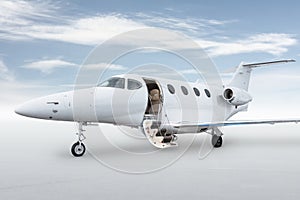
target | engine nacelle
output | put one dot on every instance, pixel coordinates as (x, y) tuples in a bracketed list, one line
[(236, 96)]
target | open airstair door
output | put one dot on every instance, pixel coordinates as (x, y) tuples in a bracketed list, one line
[(156, 136), (154, 117)]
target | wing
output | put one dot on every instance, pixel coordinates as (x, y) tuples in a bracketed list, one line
[(199, 126)]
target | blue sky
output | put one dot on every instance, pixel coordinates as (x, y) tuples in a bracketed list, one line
[(43, 43)]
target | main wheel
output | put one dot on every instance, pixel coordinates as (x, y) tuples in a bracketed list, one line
[(78, 149), (216, 141)]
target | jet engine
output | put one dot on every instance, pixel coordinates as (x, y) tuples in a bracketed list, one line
[(236, 96)]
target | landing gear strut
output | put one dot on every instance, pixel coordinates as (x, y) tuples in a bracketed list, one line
[(78, 148), (217, 139)]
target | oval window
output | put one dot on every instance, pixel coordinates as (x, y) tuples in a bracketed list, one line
[(184, 90), (207, 92), (171, 89), (197, 92)]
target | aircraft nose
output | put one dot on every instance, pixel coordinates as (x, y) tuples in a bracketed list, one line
[(25, 109), (48, 107)]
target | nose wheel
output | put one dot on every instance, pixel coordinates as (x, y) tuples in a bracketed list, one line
[(78, 148)]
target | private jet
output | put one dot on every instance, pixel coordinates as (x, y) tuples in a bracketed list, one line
[(161, 108)]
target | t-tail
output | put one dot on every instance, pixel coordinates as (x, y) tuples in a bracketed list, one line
[(242, 75)]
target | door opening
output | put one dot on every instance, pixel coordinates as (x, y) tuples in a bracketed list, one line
[(153, 121), (155, 98)]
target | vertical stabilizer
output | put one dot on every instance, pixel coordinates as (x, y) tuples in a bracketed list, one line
[(241, 77)]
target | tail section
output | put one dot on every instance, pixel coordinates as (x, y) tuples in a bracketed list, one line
[(242, 75)]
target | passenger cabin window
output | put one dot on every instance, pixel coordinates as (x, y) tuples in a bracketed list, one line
[(184, 90), (207, 93), (133, 84), (197, 92), (171, 89), (114, 82)]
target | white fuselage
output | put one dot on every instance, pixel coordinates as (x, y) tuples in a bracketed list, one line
[(127, 104)]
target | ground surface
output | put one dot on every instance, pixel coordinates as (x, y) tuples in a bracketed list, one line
[(256, 162)]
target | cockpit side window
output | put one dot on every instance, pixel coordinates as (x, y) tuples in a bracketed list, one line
[(133, 84), (114, 82)]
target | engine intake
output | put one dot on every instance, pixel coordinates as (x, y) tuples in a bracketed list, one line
[(236, 96)]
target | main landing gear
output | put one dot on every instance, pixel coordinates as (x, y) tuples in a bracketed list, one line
[(78, 148), (216, 139)]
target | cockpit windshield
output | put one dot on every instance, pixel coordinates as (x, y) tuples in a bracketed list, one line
[(114, 82)]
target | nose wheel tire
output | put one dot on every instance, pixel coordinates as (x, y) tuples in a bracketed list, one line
[(216, 141), (78, 149)]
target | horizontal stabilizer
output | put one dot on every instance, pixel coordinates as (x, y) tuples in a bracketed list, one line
[(253, 65)]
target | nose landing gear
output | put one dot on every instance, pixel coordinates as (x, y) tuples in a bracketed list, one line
[(78, 148)]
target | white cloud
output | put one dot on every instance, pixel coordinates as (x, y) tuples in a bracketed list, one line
[(276, 79), (16, 92), (16, 15), (5, 74), (47, 66), (189, 25), (189, 71), (272, 43), (86, 31), (3, 67), (25, 20), (98, 66), (21, 12)]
